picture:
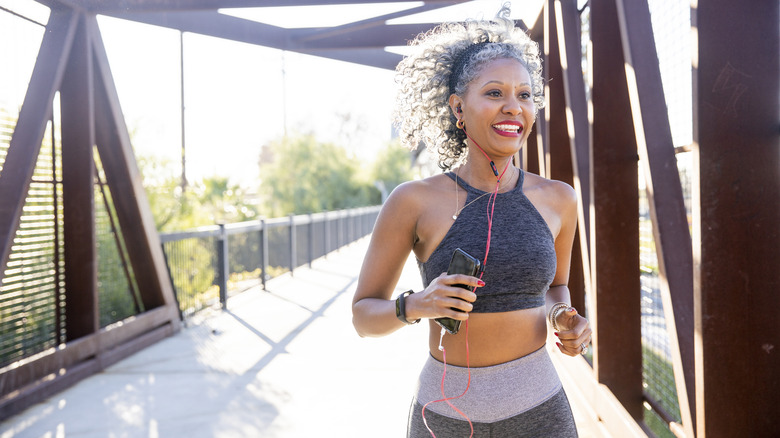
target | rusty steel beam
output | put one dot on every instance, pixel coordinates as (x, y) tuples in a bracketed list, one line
[(239, 29), (540, 151), (104, 6), (28, 134), (80, 243), (534, 154), (70, 61), (369, 57), (567, 26), (125, 184), (36, 379), (664, 193), (363, 46), (529, 155), (559, 160), (375, 37), (373, 22), (737, 219), (214, 24), (617, 358)]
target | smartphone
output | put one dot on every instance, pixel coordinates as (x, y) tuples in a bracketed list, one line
[(461, 263)]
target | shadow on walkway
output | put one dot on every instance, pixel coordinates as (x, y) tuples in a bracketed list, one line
[(279, 363), (285, 362)]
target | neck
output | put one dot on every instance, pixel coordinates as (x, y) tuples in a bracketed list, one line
[(478, 173), (504, 162)]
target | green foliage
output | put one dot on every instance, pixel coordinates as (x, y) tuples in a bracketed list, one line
[(658, 373), (392, 167), (223, 202), (304, 176), (115, 305), (657, 425), (299, 175), (173, 209), (193, 275), (206, 202)]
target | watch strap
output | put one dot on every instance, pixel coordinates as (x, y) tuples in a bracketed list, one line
[(400, 308)]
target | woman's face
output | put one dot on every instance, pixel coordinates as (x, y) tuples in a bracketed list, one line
[(498, 107)]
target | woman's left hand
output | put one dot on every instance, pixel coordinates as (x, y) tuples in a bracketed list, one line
[(574, 333)]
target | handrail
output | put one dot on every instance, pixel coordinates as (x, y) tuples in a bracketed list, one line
[(202, 260)]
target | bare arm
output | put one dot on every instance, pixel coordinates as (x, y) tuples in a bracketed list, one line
[(393, 238), (373, 312), (574, 329)]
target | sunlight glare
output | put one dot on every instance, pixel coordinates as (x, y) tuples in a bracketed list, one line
[(32, 10), (292, 17)]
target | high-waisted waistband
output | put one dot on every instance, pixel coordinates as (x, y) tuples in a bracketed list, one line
[(496, 392)]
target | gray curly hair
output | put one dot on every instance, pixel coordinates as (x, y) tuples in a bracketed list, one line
[(447, 59)]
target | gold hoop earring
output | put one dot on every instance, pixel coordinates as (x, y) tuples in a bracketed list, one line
[(459, 124)]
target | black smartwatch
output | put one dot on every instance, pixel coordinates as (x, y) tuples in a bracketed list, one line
[(400, 308)]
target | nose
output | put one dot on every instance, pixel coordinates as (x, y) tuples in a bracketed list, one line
[(512, 106)]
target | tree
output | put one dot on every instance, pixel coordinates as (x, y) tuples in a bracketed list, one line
[(224, 202), (305, 176), (207, 202), (173, 209), (392, 167)]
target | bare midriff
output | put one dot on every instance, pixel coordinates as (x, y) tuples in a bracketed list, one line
[(493, 338)]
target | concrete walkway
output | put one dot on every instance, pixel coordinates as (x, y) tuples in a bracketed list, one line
[(285, 362)]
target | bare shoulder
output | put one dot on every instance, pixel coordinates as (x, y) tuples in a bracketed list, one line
[(411, 199), (559, 194), (555, 200), (416, 193)]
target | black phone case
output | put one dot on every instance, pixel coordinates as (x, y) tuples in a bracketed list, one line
[(460, 263)]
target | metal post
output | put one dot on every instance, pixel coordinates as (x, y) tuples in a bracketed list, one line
[(736, 232), (311, 239), (78, 173), (664, 193), (183, 117), (617, 358), (560, 164), (326, 233), (263, 252), (363, 222), (350, 228), (293, 255), (223, 268), (340, 230)]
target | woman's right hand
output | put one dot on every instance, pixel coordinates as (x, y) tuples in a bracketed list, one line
[(442, 296)]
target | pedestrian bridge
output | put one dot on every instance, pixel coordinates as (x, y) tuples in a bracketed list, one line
[(276, 363), (675, 265)]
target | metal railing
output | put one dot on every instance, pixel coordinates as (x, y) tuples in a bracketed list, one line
[(208, 264)]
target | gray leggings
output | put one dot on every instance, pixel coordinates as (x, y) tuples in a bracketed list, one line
[(521, 398)]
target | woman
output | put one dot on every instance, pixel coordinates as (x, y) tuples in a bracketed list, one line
[(471, 93)]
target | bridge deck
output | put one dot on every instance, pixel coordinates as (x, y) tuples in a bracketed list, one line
[(279, 363)]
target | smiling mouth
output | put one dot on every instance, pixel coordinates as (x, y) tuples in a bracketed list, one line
[(514, 129)]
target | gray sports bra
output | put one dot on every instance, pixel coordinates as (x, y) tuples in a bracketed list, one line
[(521, 262)]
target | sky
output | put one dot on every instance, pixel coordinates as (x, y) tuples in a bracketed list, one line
[(238, 97)]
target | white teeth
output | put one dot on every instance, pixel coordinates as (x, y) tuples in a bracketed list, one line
[(510, 128)]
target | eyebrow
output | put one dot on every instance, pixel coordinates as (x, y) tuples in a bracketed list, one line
[(501, 83)]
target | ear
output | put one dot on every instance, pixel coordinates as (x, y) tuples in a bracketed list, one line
[(456, 104)]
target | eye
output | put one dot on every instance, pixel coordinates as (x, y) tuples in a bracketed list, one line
[(493, 93), (525, 95)]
